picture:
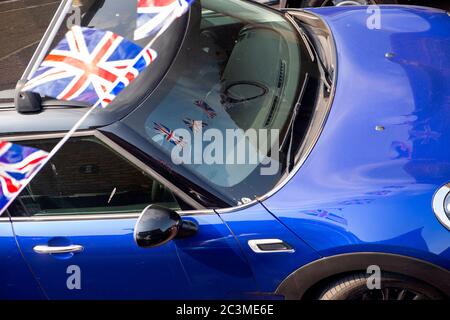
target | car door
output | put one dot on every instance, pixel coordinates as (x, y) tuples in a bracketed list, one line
[(74, 224)]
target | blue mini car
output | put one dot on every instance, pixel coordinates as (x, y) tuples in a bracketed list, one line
[(352, 202)]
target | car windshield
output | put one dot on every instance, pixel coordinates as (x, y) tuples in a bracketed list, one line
[(217, 103), (223, 108)]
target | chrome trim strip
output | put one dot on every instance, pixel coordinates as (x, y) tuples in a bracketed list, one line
[(77, 217), (6, 106), (253, 244), (89, 217), (439, 205), (40, 136)]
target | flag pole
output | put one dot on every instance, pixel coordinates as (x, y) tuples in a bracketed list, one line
[(78, 124)]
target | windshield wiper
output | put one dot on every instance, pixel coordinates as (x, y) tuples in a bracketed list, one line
[(325, 74), (289, 136)]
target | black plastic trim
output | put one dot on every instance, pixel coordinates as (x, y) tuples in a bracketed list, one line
[(296, 285)]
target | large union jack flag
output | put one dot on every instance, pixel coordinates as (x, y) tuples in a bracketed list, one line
[(17, 164), (156, 15), (89, 65)]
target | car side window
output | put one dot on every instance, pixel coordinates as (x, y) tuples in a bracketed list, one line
[(88, 177)]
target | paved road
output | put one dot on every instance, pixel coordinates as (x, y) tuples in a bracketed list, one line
[(22, 23)]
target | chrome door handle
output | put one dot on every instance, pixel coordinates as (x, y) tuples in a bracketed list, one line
[(54, 250), (270, 246)]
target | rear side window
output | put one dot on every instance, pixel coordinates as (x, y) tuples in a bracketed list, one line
[(88, 177)]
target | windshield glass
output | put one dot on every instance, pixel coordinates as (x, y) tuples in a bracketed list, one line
[(222, 110)]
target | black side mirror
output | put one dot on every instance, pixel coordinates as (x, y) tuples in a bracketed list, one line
[(158, 225)]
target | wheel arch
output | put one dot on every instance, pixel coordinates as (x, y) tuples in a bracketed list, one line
[(298, 283)]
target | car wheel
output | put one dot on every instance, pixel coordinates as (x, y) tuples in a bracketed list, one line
[(327, 3), (393, 287)]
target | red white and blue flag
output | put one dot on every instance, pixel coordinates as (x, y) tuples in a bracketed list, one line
[(17, 164), (157, 15), (167, 134), (92, 66), (195, 125), (89, 65), (206, 108)]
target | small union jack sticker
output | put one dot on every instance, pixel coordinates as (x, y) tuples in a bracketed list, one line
[(167, 134), (206, 108), (195, 125)]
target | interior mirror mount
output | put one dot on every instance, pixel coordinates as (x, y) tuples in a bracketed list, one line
[(158, 225)]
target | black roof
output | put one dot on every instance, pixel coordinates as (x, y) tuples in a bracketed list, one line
[(50, 120)]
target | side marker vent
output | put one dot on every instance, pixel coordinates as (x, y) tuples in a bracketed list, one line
[(270, 246)]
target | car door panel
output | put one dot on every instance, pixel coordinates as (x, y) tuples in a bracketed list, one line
[(270, 268), (89, 195), (214, 261), (207, 265), (112, 266), (16, 279)]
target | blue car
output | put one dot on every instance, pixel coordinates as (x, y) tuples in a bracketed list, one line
[(350, 201)]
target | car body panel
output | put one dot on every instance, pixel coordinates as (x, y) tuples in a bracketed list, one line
[(16, 278), (270, 269), (369, 182), (207, 265), (366, 186)]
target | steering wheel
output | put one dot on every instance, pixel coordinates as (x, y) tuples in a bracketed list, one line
[(229, 97)]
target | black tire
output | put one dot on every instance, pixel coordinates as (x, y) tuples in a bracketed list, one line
[(393, 287), (322, 3)]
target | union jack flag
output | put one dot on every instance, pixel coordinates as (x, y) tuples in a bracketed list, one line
[(156, 15), (167, 134), (89, 65), (195, 125), (17, 164), (206, 108)]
